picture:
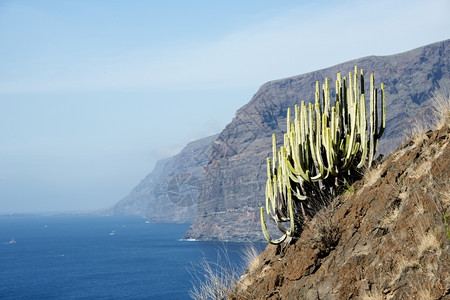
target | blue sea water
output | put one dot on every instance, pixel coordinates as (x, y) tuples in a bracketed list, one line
[(80, 257)]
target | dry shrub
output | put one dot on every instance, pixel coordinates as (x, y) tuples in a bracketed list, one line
[(371, 175), (327, 233), (427, 242), (217, 280), (216, 284), (214, 280), (417, 133), (441, 107), (251, 258)]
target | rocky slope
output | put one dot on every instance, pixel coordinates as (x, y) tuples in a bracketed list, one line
[(169, 192), (389, 239), (232, 188)]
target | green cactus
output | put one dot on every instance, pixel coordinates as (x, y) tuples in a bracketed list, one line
[(322, 146)]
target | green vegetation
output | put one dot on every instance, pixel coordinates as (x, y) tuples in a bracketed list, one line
[(323, 146), (346, 188)]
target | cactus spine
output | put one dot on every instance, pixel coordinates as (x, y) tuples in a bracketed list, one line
[(322, 146)]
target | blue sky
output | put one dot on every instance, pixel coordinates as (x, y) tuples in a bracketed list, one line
[(93, 93)]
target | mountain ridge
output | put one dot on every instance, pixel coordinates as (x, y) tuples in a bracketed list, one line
[(230, 167), (230, 195)]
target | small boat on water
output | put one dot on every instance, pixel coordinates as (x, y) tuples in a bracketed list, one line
[(12, 241)]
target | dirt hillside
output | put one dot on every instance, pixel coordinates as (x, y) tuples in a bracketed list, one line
[(387, 237)]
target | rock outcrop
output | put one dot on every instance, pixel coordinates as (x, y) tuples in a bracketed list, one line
[(390, 239), (232, 187), (169, 192)]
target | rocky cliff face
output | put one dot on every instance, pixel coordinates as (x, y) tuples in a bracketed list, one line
[(169, 193), (390, 239), (232, 188)]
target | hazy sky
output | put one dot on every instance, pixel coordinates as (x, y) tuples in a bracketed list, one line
[(93, 93)]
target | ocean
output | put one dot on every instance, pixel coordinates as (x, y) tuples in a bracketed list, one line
[(86, 257)]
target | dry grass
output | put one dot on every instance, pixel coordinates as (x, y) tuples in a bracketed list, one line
[(372, 175), (403, 195), (216, 283), (417, 133), (391, 217), (402, 265), (441, 105), (442, 199), (372, 295), (415, 265), (425, 294), (422, 291), (427, 242), (218, 280), (439, 194), (214, 280), (251, 258), (445, 199), (421, 169)]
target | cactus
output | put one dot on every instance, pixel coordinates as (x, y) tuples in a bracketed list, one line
[(322, 146)]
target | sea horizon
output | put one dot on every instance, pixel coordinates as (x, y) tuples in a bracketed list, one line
[(96, 257)]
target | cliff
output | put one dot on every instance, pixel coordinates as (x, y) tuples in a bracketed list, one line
[(387, 238), (169, 192), (232, 187)]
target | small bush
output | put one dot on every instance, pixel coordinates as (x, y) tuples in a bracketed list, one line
[(327, 233)]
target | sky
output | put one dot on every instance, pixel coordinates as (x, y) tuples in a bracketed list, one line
[(93, 93)]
